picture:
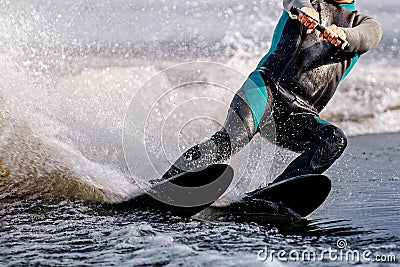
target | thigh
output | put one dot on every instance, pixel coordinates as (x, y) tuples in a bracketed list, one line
[(249, 106)]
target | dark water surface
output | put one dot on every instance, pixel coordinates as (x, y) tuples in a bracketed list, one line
[(68, 71), (363, 210)]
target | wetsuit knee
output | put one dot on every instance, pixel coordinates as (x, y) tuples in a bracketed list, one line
[(319, 156), (336, 138), (333, 143)]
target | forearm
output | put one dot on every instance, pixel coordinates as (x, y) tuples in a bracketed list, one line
[(364, 36)]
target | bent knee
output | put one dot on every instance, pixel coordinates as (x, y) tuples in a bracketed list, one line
[(332, 145), (335, 138)]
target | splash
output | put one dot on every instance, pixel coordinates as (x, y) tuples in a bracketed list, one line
[(69, 70)]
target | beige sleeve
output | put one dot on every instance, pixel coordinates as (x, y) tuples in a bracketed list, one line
[(366, 34)]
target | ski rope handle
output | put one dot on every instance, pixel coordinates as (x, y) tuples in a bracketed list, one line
[(296, 11)]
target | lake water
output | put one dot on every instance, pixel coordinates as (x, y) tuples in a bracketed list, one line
[(69, 71)]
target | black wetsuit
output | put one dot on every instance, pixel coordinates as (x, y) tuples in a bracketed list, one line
[(282, 98)]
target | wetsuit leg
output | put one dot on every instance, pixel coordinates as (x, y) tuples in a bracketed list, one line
[(246, 109), (319, 142)]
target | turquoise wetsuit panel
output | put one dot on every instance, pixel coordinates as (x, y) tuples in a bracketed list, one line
[(353, 62), (276, 37), (324, 122), (254, 88), (256, 94), (351, 7)]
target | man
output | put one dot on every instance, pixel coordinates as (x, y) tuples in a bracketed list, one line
[(290, 87)]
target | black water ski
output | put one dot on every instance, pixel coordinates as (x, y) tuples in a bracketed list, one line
[(302, 194), (260, 211), (208, 184), (285, 202)]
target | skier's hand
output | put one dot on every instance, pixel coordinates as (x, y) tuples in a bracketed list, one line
[(308, 22), (332, 33)]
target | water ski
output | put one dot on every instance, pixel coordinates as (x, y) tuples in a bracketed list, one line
[(288, 201), (302, 194), (187, 193)]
